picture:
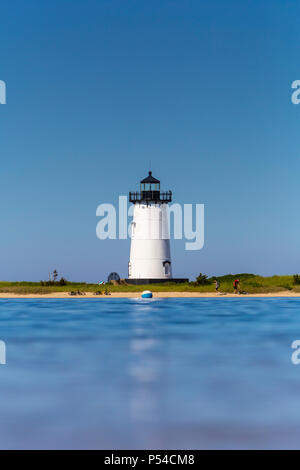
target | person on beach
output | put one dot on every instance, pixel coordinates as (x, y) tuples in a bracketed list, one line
[(217, 284), (236, 285)]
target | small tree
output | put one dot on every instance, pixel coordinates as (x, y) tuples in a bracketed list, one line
[(296, 279), (62, 281), (55, 275), (202, 280)]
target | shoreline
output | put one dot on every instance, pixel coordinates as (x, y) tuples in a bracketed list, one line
[(137, 295)]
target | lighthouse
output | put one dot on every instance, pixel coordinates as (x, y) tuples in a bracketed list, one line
[(150, 254)]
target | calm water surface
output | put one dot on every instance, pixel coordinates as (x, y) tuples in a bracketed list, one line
[(169, 373)]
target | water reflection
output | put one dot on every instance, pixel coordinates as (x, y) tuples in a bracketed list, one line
[(177, 373)]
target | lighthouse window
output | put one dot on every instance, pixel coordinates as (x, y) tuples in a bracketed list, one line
[(133, 225)]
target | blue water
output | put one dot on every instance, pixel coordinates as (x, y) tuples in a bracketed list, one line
[(169, 373)]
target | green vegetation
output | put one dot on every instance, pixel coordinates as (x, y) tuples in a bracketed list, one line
[(296, 279), (248, 282), (202, 280), (44, 287)]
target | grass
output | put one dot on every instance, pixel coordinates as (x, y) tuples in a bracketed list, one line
[(248, 282)]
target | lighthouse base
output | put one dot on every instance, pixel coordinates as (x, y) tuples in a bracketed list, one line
[(140, 281)]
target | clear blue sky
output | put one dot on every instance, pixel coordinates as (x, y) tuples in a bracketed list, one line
[(97, 88)]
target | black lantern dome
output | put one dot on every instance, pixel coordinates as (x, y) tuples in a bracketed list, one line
[(150, 192), (150, 179)]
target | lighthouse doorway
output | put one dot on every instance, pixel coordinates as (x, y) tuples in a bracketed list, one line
[(167, 267)]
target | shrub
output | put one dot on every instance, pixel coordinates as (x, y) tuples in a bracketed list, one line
[(62, 281), (202, 280), (255, 284), (232, 277), (296, 278), (285, 286)]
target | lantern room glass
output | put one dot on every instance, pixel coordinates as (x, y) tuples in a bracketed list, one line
[(150, 187)]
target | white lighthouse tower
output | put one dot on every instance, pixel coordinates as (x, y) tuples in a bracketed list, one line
[(150, 256)]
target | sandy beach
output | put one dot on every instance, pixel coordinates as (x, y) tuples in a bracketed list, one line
[(135, 295)]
